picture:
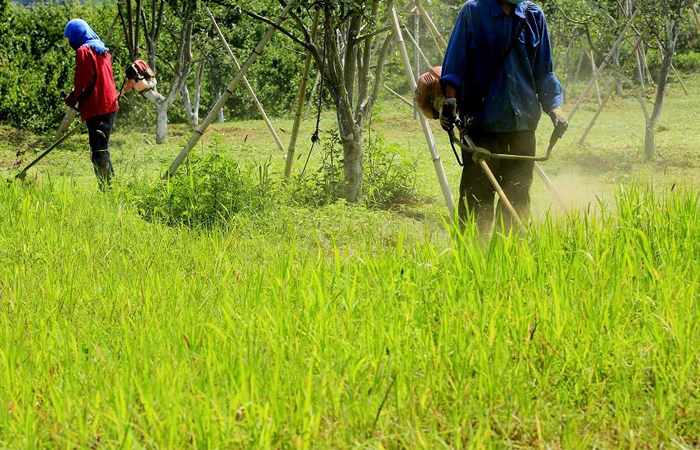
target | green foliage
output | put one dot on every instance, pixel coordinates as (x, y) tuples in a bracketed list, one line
[(274, 77), (325, 185), (36, 64), (689, 62), (211, 190), (389, 176)]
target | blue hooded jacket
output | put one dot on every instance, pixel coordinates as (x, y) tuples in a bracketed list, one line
[(79, 33)]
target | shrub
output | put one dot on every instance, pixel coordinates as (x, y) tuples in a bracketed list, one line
[(688, 61), (326, 184), (389, 176), (210, 190)]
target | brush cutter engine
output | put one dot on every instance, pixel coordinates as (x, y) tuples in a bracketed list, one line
[(140, 77), (429, 93)]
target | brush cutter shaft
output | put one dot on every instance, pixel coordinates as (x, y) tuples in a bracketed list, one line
[(477, 153), (502, 195), (63, 138), (550, 186)]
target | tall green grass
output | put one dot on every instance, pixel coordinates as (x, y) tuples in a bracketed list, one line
[(338, 330)]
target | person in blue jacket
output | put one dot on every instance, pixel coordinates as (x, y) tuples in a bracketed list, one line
[(498, 73)]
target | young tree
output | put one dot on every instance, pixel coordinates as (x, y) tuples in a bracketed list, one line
[(350, 50), (151, 18), (664, 18)]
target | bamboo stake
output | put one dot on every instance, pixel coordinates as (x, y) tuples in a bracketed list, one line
[(590, 126), (442, 178), (399, 96), (604, 64), (439, 40), (301, 100), (310, 103), (680, 80), (695, 14), (650, 79), (610, 93), (419, 51), (640, 71), (578, 72), (565, 58), (595, 69), (247, 85), (229, 90)]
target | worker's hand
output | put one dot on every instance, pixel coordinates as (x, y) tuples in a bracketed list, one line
[(448, 114), (69, 100), (559, 120)]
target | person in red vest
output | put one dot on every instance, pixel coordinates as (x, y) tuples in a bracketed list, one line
[(95, 93)]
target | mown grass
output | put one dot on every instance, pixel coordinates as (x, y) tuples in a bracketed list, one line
[(343, 330)]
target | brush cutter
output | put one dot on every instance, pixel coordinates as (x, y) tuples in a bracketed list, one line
[(481, 155)]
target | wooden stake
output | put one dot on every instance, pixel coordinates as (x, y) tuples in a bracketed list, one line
[(399, 96), (227, 94), (695, 14), (439, 40), (442, 178), (604, 64), (610, 93), (259, 105), (594, 69), (301, 100)]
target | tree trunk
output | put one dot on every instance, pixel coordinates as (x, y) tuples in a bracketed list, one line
[(220, 117), (650, 140), (351, 135), (672, 28), (161, 122), (191, 111), (352, 167)]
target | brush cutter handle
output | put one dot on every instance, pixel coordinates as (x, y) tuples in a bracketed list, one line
[(466, 144)]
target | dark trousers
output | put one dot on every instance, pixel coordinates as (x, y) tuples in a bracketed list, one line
[(99, 129), (477, 194)]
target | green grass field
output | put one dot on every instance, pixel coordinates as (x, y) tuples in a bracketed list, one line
[(344, 327)]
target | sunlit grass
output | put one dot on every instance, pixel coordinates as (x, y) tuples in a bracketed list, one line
[(346, 329)]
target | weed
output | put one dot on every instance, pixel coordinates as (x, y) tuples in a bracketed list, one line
[(211, 190)]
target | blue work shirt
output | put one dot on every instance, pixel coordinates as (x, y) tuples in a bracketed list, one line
[(507, 100)]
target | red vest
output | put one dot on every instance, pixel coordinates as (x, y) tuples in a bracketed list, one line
[(94, 89)]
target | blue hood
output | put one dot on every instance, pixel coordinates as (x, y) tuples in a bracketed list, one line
[(79, 33)]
